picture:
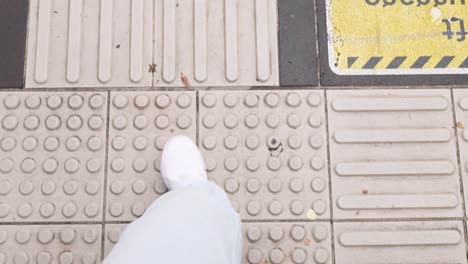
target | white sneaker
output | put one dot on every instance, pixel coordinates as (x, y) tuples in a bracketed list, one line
[(182, 163)]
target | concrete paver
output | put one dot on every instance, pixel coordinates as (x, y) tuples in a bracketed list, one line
[(50, 244), (287, 243), (460, 98), (318, 176), (130, 52), (52, 156), (400, 242), (140, 124), (112, 236), (268, 150), (148, 43), (393, 154), (89, 43)]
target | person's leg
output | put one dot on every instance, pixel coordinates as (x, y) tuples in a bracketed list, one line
[(193, 223)]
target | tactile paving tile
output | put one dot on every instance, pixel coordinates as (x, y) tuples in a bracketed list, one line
[(461, 110), (287, 243), (127, 43), (52, 148), (393, 154), (400, 242), (267, 149), (89, 43), (216, 43), (112, 236), (50, 244), (269, 242), (140, 124)]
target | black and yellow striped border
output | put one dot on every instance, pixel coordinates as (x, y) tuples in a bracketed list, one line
[(414, 63)]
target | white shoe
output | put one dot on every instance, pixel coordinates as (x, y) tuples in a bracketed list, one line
[(182, 163)]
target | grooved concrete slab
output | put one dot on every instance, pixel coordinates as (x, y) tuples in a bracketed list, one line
[(89, 43), (140, 124), (216, 43), (400, 242), (50, 244), (461, 109), (267, 149), (393, 154), (146, 43), (290, 242), (52, 148)]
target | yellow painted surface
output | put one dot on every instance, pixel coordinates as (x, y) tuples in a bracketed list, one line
[(363, 30)]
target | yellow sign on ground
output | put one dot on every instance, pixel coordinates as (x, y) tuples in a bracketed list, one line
[(398, 36)]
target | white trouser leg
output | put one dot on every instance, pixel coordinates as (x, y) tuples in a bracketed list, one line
[(195, 224)]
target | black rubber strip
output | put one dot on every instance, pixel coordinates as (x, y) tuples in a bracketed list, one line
[(297, 43), (13, 26)]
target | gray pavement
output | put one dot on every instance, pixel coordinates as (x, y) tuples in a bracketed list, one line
[(322, 168)]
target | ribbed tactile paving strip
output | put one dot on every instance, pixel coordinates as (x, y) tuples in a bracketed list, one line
[(393, 154), (461, 111), (144, 43), (400, 242)]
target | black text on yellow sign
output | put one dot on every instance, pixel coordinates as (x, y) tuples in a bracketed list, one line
[(397, 36)]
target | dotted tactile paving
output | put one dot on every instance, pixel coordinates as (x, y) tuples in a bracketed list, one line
[(267, 149), (112, 236), (52, 148), (140, 124), (269, 242), (393, 159), (50, 244), (287, 243), (461, 110), (400, 242), (393, 154)]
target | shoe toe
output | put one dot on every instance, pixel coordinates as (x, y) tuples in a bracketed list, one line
[(182, 162)]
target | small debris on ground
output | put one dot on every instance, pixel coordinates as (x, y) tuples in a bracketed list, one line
[(185, 80), (460, 125), (306, 241), (365, 191), (275, 147), (311, 215), (152, 68)]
